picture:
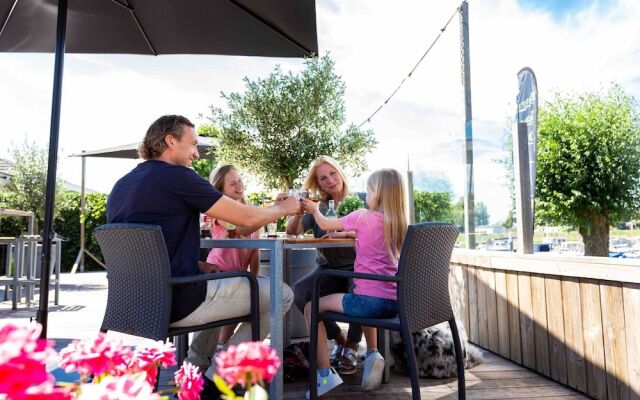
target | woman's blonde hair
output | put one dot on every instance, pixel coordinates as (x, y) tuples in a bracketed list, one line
[(387, 196), (216, 178), (311, 182)]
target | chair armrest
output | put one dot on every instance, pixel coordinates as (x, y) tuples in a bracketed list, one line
[(351, 274), (315, 288), (211, 276)]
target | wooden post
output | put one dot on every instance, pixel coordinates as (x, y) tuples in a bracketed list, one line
[(523, 189), (469, 213)]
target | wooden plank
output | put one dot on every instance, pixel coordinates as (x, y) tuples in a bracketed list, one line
[(574, 338), (609, 269), (539, 301), (458, 294), (492, 312), (526, 321), (474, 337), (503, 316), (631, 296), (593, 341), (513, 308), (615, 344), (482, 288), (555, 326), (465, 279)]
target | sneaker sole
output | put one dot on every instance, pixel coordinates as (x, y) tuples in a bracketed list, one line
[(375, 376)]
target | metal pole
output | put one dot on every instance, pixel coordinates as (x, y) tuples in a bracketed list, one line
[(469, 214), (48, 233), (80, 257)]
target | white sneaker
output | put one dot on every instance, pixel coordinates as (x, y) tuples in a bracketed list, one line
[(326, 383), (373, 370)]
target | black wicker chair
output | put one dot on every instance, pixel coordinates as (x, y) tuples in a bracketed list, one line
[(140, 282), (423, 297)]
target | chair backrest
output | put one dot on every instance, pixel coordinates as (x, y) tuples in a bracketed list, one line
[(423, 268), (138, 272)]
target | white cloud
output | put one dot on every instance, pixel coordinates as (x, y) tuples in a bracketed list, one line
[(111, 100)]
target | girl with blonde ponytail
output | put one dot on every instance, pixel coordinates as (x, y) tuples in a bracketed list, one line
[(379, 233)]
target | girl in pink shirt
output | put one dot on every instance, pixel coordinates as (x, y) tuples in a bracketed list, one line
[(379, 234), (227, 180)]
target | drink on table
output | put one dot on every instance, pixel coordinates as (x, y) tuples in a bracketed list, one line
[(232, 232), (205, 227)]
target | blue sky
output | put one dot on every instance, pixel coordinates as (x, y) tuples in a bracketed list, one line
[(110, 100)]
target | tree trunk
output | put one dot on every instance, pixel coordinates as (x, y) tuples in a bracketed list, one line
[(596, 237)]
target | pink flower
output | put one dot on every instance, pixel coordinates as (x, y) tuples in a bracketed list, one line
[(23, 358), (248, 363), (47, 391), (150, 357), (98, 356), (126, 387), (189, 382)]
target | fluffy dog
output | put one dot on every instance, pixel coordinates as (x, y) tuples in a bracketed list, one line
[(435, 353)]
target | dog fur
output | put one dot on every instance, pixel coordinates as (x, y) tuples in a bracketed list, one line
[(434, 351)]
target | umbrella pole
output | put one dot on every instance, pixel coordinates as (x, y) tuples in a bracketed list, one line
[(50, 198)]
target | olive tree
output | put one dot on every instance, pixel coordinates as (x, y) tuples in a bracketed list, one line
[(589, 163), (284, 121)]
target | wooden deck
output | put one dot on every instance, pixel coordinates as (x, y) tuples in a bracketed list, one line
[(82, 301)]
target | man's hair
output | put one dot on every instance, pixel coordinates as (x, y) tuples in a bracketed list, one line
[(153, 144)]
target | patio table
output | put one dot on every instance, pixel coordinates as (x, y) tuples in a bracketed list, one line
[(279, 262)]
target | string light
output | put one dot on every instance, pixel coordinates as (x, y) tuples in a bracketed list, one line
[(412, 70)]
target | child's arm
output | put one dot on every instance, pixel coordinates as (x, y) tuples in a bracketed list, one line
[(254, 267), (323, 222)]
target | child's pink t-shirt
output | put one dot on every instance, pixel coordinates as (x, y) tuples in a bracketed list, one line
[(371, 253), (229, 259)]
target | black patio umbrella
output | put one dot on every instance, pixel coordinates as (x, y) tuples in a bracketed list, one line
[(276, 28)]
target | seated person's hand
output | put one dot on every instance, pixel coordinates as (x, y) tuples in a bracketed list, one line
[(338, 235), (280, 197), (291, 205), (310, 206), (206, 267)]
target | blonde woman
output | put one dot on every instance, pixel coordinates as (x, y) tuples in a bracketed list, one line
[(327, 178), (380, 232)]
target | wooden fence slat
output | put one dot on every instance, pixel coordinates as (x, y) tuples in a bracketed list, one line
[(473, 306), (541, 334), (503, 316), (574, 339), (555, 323), (593, 343), (631, 296), (526, 321), (615, 344), (458, 294), (483, 324), (514, 317), (492, 311), (465, 280)]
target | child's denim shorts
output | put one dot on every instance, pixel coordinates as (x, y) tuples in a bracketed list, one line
[(367, 306)]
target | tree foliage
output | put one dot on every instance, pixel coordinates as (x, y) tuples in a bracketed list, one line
[(281, 123), (589, 163), (205, 164), (29, 179), (432, 206)]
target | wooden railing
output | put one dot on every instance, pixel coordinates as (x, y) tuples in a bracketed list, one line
[(575, 320)]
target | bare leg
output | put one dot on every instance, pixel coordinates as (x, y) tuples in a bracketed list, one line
[(371, 336), (227, 332), (332, 302)]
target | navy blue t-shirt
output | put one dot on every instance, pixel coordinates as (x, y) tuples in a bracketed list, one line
[(171, 196)]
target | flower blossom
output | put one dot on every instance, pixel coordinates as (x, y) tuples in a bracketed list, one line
[(126, 387), (152, 356), (248, 363), (98, 356), (189, 382), (23, 359)]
